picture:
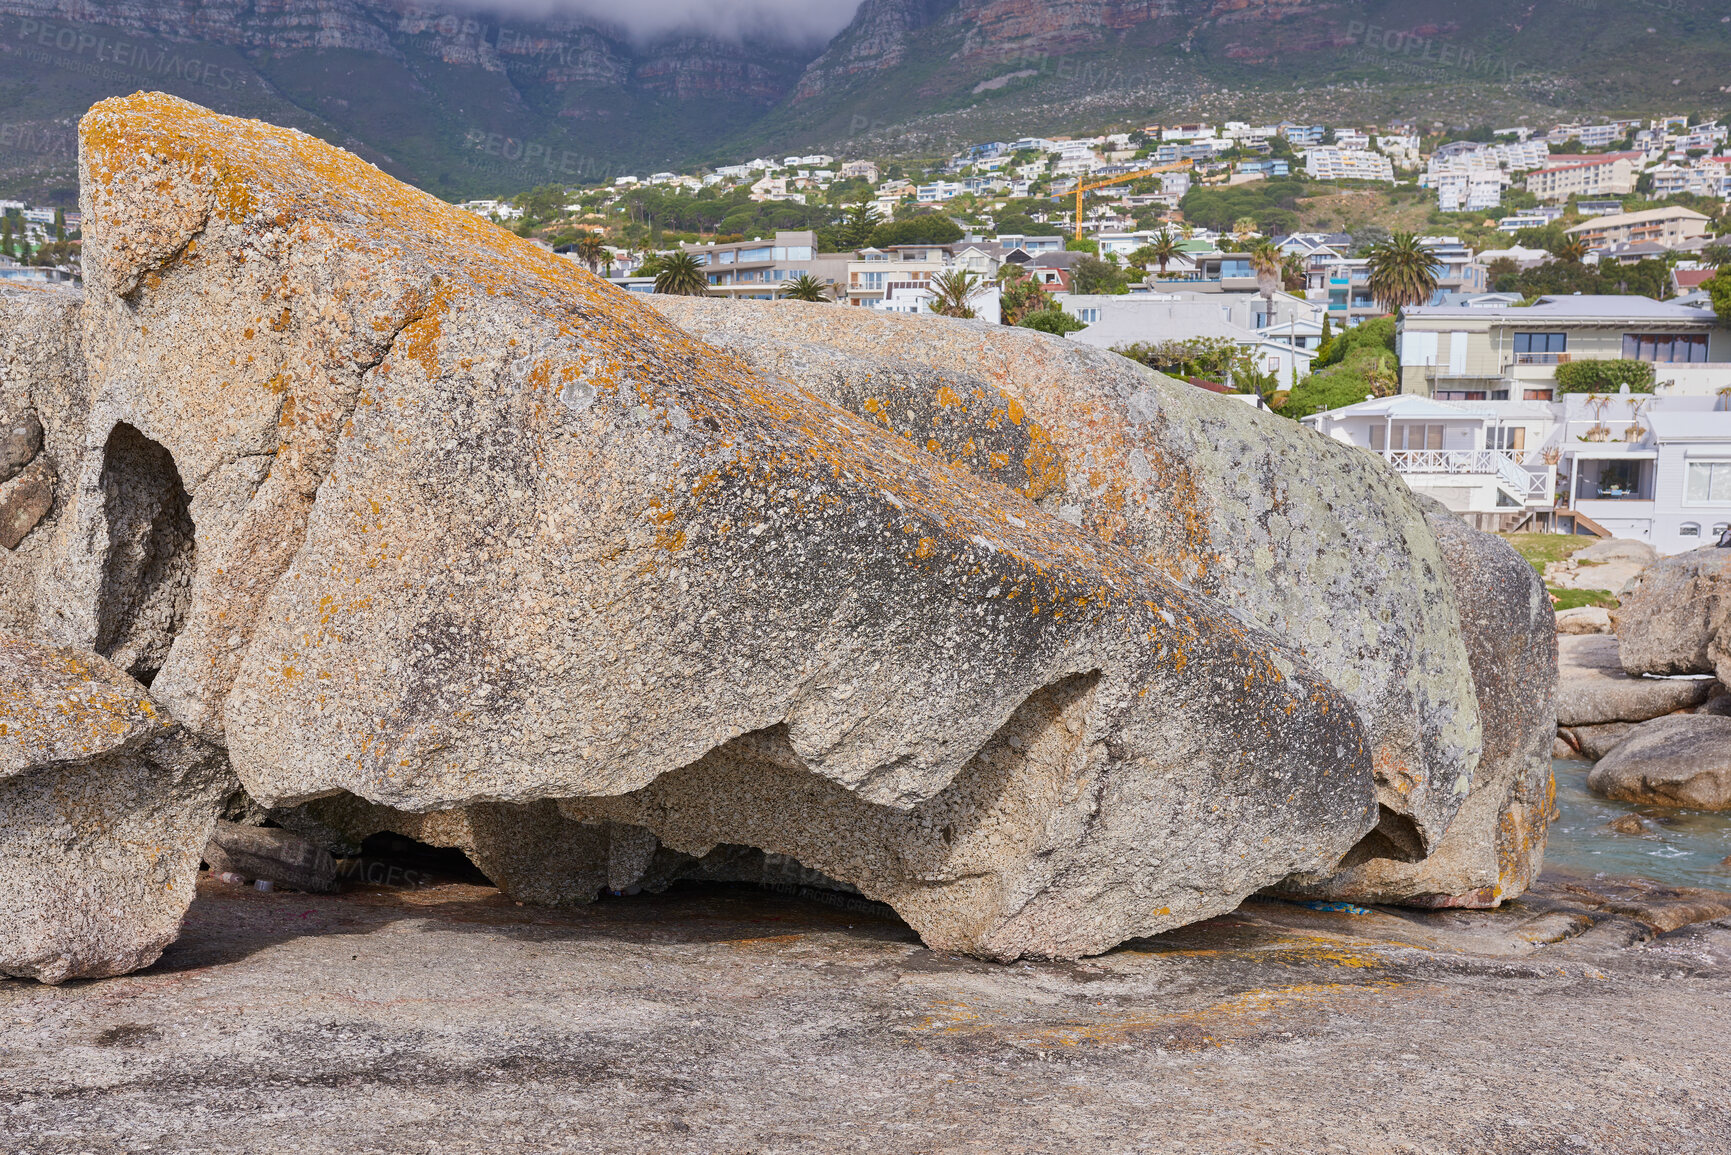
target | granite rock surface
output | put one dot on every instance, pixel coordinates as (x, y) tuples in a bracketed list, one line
[(1683, 760)]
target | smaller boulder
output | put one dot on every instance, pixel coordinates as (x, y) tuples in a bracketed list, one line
[(279, 856), (1594, 742), (1593, 689), (1684, 760), (1608, 565), (1678, 615), (25, 501), (20, 439), (1584, 620)]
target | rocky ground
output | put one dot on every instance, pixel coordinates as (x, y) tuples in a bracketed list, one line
[(729, 1019)]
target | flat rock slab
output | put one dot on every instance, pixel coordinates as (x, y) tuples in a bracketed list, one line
[(1593, 689), (1679, 761), (720, 1019)]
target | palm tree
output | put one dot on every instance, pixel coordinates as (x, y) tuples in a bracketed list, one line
[(1402, 272), (806, 287), (1293, 274), (1574, 251), (591, 252), (680, 275), (1243, 226), (1164, 249), (952, 291), (1022, 294), (1265, 262)]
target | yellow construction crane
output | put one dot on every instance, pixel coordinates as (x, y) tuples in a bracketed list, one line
[(1129, 176)]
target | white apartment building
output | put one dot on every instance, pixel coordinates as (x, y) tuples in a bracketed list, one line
[(1330, 163), (1478, 191), (1611, 174)]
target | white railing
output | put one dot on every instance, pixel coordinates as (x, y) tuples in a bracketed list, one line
[(1519, 480)]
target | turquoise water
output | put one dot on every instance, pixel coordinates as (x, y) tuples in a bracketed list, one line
[(1677, 847)]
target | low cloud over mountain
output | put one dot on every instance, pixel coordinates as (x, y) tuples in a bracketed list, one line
[(783, 21)]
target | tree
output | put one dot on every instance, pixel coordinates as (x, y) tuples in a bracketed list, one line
[(1326, 339), (680, 275), (59, 224), (857, 226), (1402, 272), (591, 251), (806, 287), (1243, 226), (1719, 289), (953, 292), (1293, 275), (1265, 262), (1163, 249), (1574, 250), (1020, 295), (1052, 319), (1092, 275)]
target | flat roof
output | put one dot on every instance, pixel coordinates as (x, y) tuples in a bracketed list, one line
[(1582, 308)]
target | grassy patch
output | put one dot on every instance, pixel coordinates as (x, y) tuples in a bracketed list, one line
[(1574, 599), (1542, 548)]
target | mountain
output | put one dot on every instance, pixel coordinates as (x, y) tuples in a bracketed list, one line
[(469, 102)]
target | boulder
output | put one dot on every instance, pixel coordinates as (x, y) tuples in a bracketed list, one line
[(1496, 843), (271, 853), (1683, 760), (105, 804), (1312, 539), (1608, 565), (1584, 620), (1594, 742), (395, 504), (43, 403), (1677, 618), (1593, 689)]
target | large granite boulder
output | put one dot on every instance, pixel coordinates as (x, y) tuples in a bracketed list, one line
[(1608, 565), (1593, 689), (1677, 618), (1312, 539), (391, 503), (1683, 760), (43, 401), (105, 804), (1495, 846)]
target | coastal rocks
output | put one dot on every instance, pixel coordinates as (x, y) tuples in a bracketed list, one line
[(1495, 846), (1608, 565), (1308, 538), (1678, 761), (1593, 689), (1677, 618), (105, 804), (444, 523), (1594, 742)]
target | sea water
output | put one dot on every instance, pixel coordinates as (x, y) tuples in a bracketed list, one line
[(1676, 847)]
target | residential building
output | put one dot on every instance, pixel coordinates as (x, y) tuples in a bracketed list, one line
[(758, 269), (1592, 208), (1269, 167), (1329, 163), (1523, 257), (876, 275), (1527, 219), (1457, 269), (1610, 174), (1155, 317), (1351, 140), (1482, 461), (1473, 192), (1657, 469), (1450, 352), (1667, 226), (1303, 135), (854, 169)]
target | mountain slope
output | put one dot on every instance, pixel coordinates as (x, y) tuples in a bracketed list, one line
[(464, 103)]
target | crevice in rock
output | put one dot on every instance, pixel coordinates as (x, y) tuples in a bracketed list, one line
[(1395, 837), (151, 555)]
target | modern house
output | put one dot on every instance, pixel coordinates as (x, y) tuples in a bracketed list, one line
[(1484, 462), (758, 269), (1478, 353), (877, 275)]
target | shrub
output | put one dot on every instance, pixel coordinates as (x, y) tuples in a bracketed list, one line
[(1604, 376), (1052, 320)]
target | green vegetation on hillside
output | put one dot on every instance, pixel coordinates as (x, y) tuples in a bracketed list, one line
[(1358, 363)]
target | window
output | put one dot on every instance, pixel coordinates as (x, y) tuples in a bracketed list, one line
[(1541, 342), (872, 280), (1707, 483), (1536, 395), (1088, 316), (1616, 481), (1689, 529), (1665, 347), (765, 254), (1509, 440), (1460, 395)]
